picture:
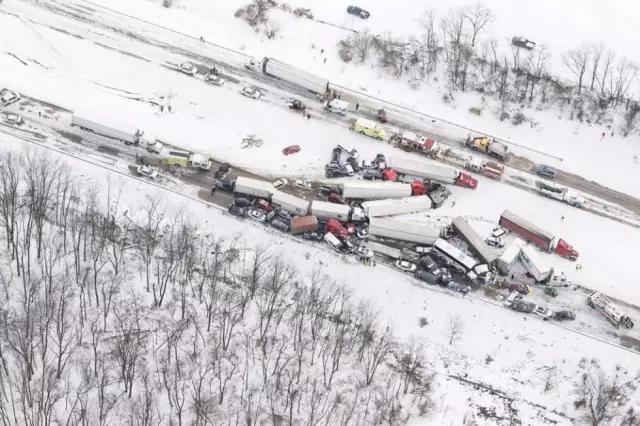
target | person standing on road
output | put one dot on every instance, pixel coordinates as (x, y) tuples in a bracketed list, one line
[(357, 106)]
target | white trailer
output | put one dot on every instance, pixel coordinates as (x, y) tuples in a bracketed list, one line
[(560, 193), (610, 310), (392, 252), (375, 190), (424, 169), (455, 254), (325, 210), (510, 255), (253, 187), (404, 231), (534, 265), (302, 78), (395, 206), (290, 203), (477, 244), (113, 129)]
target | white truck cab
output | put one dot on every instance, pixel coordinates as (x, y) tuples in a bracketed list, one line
[(337, 106)]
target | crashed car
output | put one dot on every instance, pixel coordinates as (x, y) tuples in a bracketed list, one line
[(251, 92), (13, 119), (564, 315), (147, 171), (304, 185), (238, 211), (280, 183), (223, 171), (214, 79), (406, 266), (296, 104), (460, 288), (188, 68), (543, 312), (523, 306), (257, 215), (222, 184), (8, 97)]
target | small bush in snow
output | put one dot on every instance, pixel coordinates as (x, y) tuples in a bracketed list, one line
[(518, 118), (423, 322), (167, 3), (475, 111), (303, 12), (345, 50), (255, 13)]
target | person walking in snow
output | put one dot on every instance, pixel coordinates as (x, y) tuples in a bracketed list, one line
[(562, 218), (357, 106)]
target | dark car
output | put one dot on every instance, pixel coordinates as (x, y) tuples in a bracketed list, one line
[(371, 173), (429, 264), (313, 236), (335, 198), (280, 225), (564, 315), (358, 11), (523, 42), (223, 171), (546, 171), (427, 276), (523, 306), (222, 184), (295, 104), (242, 202), (519, 287), (238, 211)]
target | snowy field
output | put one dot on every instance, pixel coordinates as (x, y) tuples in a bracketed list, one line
[(503, 350), (299, 42), (80, 73)]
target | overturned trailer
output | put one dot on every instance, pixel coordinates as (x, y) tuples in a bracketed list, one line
[(476, 243)]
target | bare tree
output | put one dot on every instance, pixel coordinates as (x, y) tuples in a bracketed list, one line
[(478, 17), (430, 39), (149, 234), (596, 54), (602, 397), (375, 353), (576, 61), (454, 328)]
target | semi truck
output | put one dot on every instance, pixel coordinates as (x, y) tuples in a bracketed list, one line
[(560, 193), (476, 243), (534, 265), (541, 238), (395, 206), (289, 203), (186, 159), (369, 128), (295, 75), (487, 145), (490, 169), (432, 171), (510, 256), (404, 231), (375, 190), (455, 254), (253, 187), (415, 142), (300, 224), (341, 212), (115, 130), (612, 312)]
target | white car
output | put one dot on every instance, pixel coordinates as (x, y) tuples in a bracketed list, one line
[(188, 68), (543, 312), (258, 215), (406, 266), (251, 92), (14, 119), (8, 97), (499, 232), (214, 79), (280, 183), (305, 185), (147, 171)]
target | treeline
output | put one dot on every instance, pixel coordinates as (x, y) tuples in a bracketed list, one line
[(109, 316), (453, 45)]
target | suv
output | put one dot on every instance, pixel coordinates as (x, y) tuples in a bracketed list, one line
[(238, 211), (358, 11), (427, 276), (494, 242), (280, 225), (188, 68), (336, 170), (546, 171)]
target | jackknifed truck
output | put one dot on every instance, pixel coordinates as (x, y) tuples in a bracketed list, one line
[(541, 238), (374, 190), (341, 212), (612, 312)]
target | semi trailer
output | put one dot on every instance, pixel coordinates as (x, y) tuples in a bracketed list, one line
[(404, 231), (115, 130), (396, 206), (374, 190), (432, 171)]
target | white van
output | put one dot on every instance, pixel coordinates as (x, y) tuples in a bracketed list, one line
[(337, 106), (333, 241)]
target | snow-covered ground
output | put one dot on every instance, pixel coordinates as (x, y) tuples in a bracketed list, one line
[(498, 348), (612, 161), (78, 74)]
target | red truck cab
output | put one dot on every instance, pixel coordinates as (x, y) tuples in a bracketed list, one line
[(390, 175), (465, 180), (566, 250), (336, 228), (418, 188)]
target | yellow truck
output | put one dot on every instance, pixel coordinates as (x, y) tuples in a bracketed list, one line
[(369, 128)]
